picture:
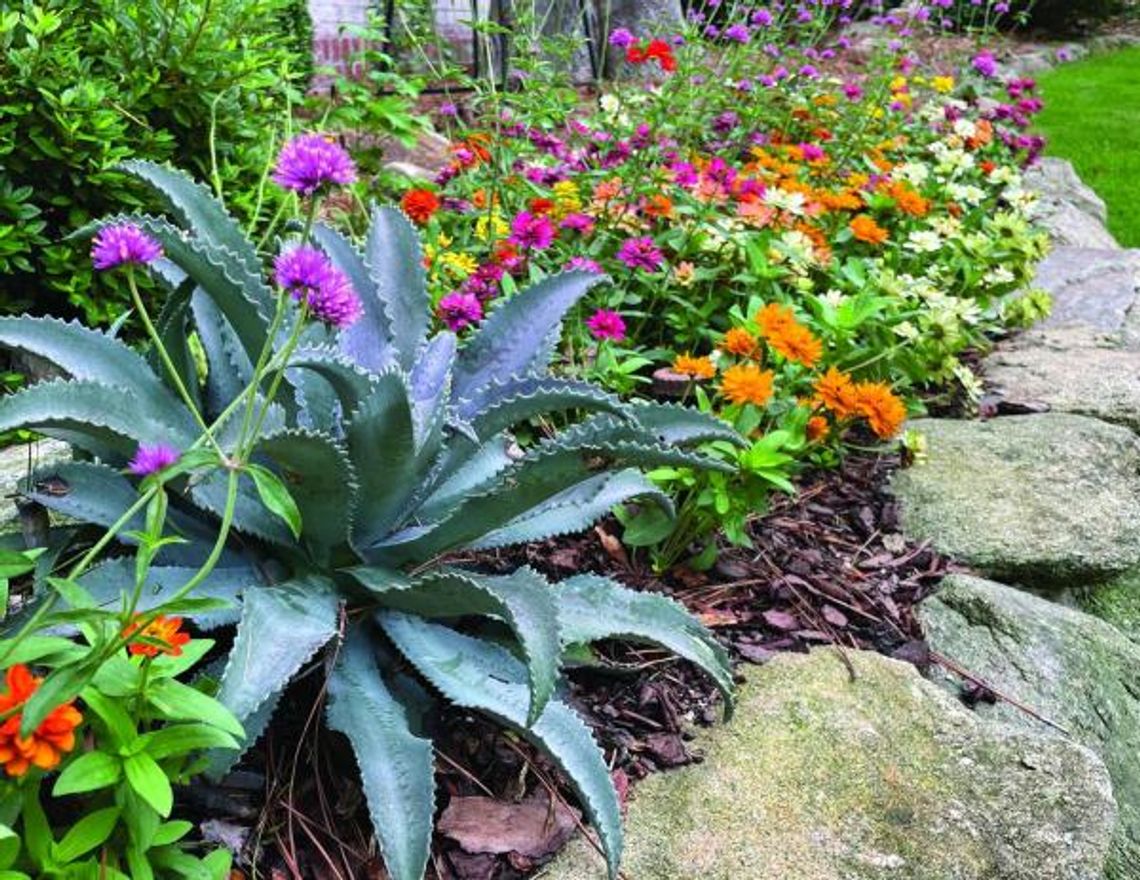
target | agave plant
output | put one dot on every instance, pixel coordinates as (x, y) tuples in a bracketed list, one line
[(397, 448)]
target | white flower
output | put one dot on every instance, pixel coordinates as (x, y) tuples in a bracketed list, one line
[(968, 193), (947, 227), (998, 276), (610, 103), (924, 241), (782, 200), (964, 128), (913, 172), (834, 298)]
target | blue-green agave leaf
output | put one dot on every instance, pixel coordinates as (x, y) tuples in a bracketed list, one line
[(679, 425), (395, 265), (396, 766)]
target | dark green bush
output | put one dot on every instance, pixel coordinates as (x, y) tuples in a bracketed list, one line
[(85, 85), (1062, 16)]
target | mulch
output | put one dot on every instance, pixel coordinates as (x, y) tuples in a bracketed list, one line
[(829, 566)]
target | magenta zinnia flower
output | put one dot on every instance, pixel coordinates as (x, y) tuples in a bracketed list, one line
[(585, 264), (459, 310), (310, 278), (640, 253), (310, 161), (150, 458), (121, 245), (583, 223), (607, 324), (531, 231)]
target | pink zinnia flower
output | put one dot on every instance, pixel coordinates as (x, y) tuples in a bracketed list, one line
[(585, 264), (459, 310), (640, 253), (150, 458), (607, 324), (531, 231), (311, 278), (122, 245), (310, 161), (583, 223)]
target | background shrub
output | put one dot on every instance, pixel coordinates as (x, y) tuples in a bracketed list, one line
[(84, 86)]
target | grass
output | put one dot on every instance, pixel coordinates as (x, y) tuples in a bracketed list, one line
[(1092, 118)]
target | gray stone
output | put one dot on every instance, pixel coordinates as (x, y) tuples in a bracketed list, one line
[(409, 169), (1090, 286), (1057, 181), (1071, 369), (821, 777), (1049, 501), (1075, 670), (1069, 226), (16, 462)]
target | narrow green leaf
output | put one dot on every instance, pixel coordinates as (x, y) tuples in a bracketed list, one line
[(276, 497), (185, 739), (149, 782), (9, 846), (61, 686), (180, 702), (88, 772), (85, 835), (118, 722)]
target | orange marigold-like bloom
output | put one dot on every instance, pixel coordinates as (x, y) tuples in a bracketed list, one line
[(796, 343), (747, 383), (540, 206), (909, 201), (772, 318), (696, 367), (740, 342), (660, 206), (167, 630), (835, 390), (47, 744), (817, 428), (420, 205), (864, 228), (884, 412)]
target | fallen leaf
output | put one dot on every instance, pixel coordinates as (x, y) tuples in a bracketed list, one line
[(667, 749), (781, 620), (834, 616), (612, 546), (532, 828)]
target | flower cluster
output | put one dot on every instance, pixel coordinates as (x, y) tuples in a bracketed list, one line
[(47, 744), (311, 278), (312, 162)]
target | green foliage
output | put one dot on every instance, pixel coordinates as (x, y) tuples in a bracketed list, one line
[(86, 86), (389, 448), (1064, 16)]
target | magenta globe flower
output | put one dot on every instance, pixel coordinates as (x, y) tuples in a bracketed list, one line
[(459, 310), (150, 458), (310, 278), (309, 162), (607, 324), (124, 244)]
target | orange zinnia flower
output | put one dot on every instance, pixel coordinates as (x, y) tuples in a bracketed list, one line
[(836, 391), (773, 318), (747, 383), (420, 205), (884, 412), (740, 342), (695, 367), (864, 228), (540, 206), (817, 428), (796, 343), (660, 206), (166, 630), (46, 745), (909, 201)]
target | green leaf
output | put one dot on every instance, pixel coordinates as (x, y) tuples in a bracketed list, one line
[(9, 846), (351, 384), (61, 686), (281, 628), (48, 650), (505, 403), (149, 782), (478, 675), (276, 497), (395, 766), (88, 772), (180, 702), (184, 739), (85, 835), (172, 832), (38, 840), (592, 608), (395, 266), (677, 425), (118, 722), (523, 600)]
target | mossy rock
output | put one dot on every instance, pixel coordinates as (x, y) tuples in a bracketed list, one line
[(1050, 501), (15, 464), (821, 777), (1074, 669)]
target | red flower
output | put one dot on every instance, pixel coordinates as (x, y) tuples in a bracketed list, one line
[(540, 206), (46, 745), (420, 205), (166, 630), (657, 50)]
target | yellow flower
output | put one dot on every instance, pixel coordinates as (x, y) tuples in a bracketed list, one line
[(943, 84), (695, 367), (443, 240), (898, 83), (684, 273), (460, 264), (567, 198), (491, 227)]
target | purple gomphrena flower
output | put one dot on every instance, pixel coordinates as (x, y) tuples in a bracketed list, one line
[(606, 324), (459, 310), (123, 245), (150, 458), (640, 253), (585, 264), (310, 161), (310, 278), (448, 109), (985, 64), (621, 38), (531, 231), (738, 33)]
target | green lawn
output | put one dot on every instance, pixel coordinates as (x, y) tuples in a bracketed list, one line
[(1092, 118)]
